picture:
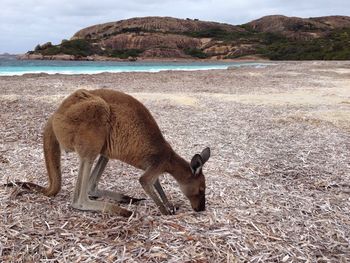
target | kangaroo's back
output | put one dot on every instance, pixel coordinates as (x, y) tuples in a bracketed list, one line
[(134, 135), (81, 123)]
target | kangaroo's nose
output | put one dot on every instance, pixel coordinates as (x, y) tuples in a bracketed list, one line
[(201, 206)]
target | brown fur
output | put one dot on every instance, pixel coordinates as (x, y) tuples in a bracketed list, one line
[(115, 125)]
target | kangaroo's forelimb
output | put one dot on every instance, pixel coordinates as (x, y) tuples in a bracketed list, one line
[(164, 198), (148, 181)]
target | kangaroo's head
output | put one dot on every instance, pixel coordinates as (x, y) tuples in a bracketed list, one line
[(194, 189)]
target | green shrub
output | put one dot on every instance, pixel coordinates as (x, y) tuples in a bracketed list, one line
[(334, 46), (132, 30), (219, 34), (195, 52), (77, 47), (53, 50), (125, 53), (37, 47)]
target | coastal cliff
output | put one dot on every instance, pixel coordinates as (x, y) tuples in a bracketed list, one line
[(270, 37)]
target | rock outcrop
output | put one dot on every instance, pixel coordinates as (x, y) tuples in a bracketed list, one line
[(299, 28), (273, 37), (152, 24)]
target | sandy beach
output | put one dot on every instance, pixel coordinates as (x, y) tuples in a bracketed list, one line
[(278, 181)]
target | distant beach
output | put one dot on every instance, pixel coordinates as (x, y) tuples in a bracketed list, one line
[(10, 67)]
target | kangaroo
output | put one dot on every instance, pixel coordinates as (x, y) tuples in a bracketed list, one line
[(113, 125)]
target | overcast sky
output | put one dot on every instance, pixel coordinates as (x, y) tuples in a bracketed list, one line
[(26, 23)]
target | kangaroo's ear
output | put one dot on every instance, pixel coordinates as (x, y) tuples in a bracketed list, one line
[(196, 164), (205, 154), (198, 160)]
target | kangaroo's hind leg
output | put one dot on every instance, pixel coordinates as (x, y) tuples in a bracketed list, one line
[(95, 192), (81, 199), (82, 124)]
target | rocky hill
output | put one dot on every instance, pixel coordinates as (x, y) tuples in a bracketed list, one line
[(300, 28), (152, 24), (272, 37)]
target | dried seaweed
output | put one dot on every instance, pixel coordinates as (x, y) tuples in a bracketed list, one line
[(277, 184)]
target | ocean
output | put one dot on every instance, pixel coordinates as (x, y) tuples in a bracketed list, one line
[(12, 66)]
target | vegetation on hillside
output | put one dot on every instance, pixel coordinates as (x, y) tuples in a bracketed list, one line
[(195, 52), (124, 53), (77, 47), (219, 34), (84, 48), (332, 46)]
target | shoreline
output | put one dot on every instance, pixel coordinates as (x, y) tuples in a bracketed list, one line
[(65, 57), (98, 67), (245, 64)]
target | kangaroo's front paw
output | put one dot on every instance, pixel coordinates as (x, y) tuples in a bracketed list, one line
[(172, 209), (168, 210)]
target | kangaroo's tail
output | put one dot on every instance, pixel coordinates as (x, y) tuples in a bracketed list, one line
[(52, 153)]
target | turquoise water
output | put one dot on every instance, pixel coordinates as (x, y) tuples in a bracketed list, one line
[(9, 67)]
